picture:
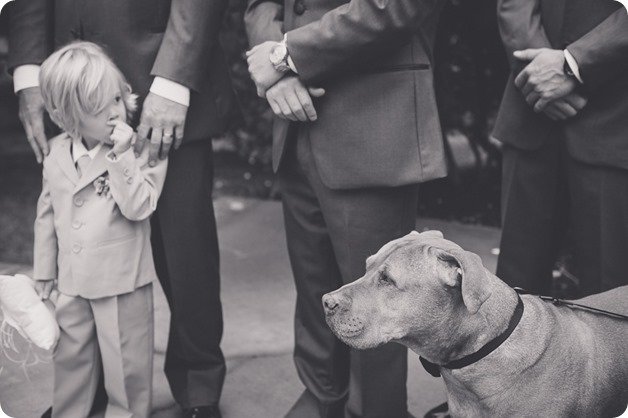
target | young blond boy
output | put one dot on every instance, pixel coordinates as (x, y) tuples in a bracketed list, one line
[(92, 236)]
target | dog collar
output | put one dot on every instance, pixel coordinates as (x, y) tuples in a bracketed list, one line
[(488, 348)]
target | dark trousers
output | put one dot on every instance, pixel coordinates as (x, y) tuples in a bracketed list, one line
[(185, 248), (330, 233), (546, 192)]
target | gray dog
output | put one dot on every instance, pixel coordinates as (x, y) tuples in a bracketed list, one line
[(500, 355)]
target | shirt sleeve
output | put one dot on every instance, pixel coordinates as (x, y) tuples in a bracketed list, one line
[(25, 76), (573, 65), (171, 90)]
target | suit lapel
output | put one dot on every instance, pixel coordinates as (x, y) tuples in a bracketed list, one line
[(63, 156), (97, 167)]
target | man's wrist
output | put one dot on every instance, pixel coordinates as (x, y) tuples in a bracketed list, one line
[(280, 56), (115, 154)]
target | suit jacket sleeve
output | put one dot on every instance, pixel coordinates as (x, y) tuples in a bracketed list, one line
[(46, 247), (29, 32), (136, 186), (520, 27), (191, 33), (263, 20), (602, 53), (349, 34)]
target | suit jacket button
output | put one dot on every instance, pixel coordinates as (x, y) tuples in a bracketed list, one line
[(127, 172), (299, 7), (77, 224), (78, 201), (76, 248), (129, 180)]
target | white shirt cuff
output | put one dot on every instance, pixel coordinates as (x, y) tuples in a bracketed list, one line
[(291, 65), (573, 64), (25, 76), (171, 90)]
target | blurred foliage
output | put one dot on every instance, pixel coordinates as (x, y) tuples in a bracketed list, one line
[(251, 140)]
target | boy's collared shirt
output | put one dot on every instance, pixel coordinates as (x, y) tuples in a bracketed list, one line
[(79, 150)]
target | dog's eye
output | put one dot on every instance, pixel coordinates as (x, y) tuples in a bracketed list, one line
[(385, 279)]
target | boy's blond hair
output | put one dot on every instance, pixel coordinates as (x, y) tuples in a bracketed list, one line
[(78, 80)]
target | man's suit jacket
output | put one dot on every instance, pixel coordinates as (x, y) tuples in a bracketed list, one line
[(96, 245), (377, 122), (596, 34), (174, 39)]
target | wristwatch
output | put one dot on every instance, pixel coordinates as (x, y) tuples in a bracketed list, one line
[(279, 56), (567, 70)]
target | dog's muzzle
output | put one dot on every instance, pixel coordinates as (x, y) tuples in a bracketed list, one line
[(339, 316)]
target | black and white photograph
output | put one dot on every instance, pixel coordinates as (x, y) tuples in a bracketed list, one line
[(313, 208)]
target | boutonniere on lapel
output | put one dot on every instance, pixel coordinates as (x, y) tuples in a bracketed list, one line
[(101, 186)]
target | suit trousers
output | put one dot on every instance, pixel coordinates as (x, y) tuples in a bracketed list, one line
[(111, 335), (546, 194), (185, 249), (330, 233)]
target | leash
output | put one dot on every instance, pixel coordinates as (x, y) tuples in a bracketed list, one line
[(488, 348), (572, 305), (434, 369)]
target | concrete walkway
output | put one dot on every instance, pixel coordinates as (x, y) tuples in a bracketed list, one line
[(258, 298)]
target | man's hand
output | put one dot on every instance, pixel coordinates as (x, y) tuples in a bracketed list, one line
[(122, 136), (543, 79), (161, 119), (565, 108), (290, 99), (31, 112), (262, 71), (44, 288)]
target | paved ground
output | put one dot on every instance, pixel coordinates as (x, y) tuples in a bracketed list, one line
[(258, 297)]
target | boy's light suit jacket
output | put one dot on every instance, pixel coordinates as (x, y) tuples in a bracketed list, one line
[(96, 245)]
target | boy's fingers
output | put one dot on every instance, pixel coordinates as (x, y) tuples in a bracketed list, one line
[(47, 289)]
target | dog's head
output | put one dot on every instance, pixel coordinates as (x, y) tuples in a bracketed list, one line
[(416, 289)]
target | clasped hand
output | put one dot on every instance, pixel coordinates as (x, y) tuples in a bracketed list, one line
[(545, 85), (287, 96), (261, 69)]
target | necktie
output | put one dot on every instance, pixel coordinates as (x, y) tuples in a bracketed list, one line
[(82, 164)]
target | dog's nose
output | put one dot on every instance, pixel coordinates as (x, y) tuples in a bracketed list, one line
[(330, 304)]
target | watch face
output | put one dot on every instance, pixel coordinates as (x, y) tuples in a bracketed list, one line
[(278, 54)]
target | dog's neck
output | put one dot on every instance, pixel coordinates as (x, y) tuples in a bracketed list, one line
[(464, 334), (489, 322)]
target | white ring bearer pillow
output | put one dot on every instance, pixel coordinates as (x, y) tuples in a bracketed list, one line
[(24, 311)]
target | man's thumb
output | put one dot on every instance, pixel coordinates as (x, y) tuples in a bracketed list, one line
[(316, 91), (527, 54)]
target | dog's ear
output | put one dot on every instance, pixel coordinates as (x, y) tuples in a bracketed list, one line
[(473, 284)]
